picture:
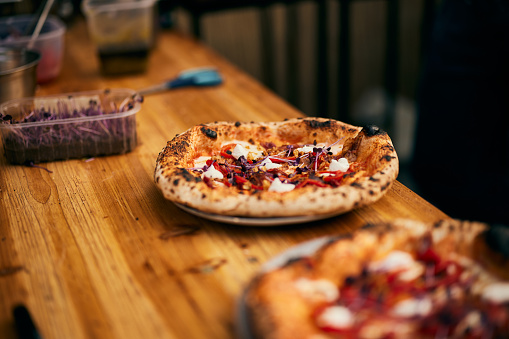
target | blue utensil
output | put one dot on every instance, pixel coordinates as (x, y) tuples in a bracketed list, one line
[(199, 77)]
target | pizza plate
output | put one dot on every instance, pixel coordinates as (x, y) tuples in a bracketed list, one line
[(304, 249), (247, 221)]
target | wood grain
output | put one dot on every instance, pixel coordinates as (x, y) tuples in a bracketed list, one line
[(94, 250)]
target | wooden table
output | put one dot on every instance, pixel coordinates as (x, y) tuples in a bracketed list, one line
[(94, 250)]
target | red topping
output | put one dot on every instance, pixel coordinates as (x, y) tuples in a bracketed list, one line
[(226, 151)]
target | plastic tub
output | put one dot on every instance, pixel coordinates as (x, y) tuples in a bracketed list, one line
[(69, 126), (123, 32), (49, 43)]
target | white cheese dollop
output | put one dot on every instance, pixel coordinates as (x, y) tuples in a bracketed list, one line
[(278, 186), (320, 289), (413, 307), (399, 261), (246, 149), (339, 165), (306, 149), (496, 292), (395, 260), (239, 151), (269, 164), (201, 161), (336, 317), (213, 173)]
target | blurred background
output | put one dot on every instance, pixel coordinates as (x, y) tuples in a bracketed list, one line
[(358, 61)]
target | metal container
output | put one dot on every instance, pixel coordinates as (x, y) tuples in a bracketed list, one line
[(18, 73), (50, 43)]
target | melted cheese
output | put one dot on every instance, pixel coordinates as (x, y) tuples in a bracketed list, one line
[(306, 149), (269, 164), (399, 261), (320, 289), (496, 292), (239, 151), (413, 307), (339, 165), (213, 173), (278, 186), (395, 260), (200, 162), (336, 317), (244, 148)]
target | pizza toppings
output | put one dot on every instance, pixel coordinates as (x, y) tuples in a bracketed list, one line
[(335, 317), (496, 293), (412, 307), (341, 165), (278, 186), (319, 289), (275, 169), (213, 173)]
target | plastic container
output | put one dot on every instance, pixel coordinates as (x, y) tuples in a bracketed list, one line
[(69, 126), (49, 43), (123, 32)]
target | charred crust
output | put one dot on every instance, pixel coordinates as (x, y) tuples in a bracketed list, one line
[(372, 130), (438, 224), (237, 124), (374, 179), (176, 182), (356, 184), (208, 132), (318, 124), (186, 175), (384, 187), (497, 239), (388, 157), (177, 146), (368, 226)]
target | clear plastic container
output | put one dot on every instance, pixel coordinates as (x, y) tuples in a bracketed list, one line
[(123, 32), (69, 126), (49, 43)]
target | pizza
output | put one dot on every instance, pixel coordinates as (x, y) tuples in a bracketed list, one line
[(400, 279), (297, 167)]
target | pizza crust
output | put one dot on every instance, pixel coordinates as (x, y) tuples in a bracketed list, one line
[(180, 185)]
